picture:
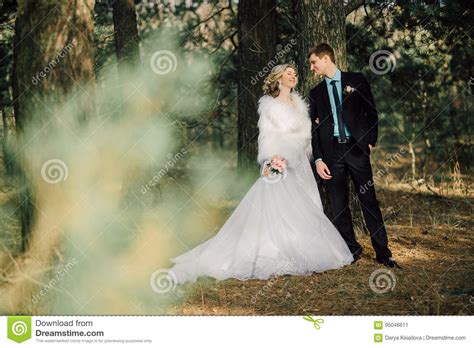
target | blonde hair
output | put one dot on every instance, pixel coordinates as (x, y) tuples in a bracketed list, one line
[(270, 84)]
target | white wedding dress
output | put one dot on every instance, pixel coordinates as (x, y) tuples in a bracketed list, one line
[(279, 227)]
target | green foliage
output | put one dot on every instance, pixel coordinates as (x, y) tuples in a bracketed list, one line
[(425, 98)]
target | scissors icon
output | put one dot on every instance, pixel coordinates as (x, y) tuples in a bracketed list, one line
[(315, 322)]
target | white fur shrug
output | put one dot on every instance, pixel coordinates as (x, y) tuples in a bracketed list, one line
[(284, 130)]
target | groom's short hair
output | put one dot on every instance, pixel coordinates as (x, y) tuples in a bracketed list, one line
[(323, 49)]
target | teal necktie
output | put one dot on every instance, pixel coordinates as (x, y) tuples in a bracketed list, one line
[(340, 122)]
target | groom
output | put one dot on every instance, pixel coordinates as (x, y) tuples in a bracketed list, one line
[(344, 131)]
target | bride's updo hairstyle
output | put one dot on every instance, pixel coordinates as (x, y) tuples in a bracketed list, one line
[(270, 84)]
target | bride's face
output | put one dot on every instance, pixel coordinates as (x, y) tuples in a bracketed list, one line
[(289, 78)]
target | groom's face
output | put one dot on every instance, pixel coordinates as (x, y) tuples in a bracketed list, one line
[(318, 65)]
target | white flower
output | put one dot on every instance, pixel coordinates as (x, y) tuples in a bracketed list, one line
[(349, 89)]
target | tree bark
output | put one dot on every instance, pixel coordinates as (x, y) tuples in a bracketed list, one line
[(319, 21), (257, 47), (324, 21), (126, 34), (53, 61)]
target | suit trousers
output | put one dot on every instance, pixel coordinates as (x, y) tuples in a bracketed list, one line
[(348, 159)]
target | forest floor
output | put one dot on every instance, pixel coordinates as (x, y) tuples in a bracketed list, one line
[(433, 242), (430, 236)]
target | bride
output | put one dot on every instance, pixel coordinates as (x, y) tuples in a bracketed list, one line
[(279, 227)]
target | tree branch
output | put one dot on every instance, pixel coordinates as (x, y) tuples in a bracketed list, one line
[(231, 37), (224, 62)]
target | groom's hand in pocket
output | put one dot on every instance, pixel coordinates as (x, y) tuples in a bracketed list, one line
[(323, 170)]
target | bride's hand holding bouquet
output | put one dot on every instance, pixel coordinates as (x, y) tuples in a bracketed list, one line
[(275, 166)]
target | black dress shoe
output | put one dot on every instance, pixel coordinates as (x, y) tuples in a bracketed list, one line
[(389, 262)]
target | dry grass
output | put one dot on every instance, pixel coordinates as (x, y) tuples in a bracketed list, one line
[(430, 236)]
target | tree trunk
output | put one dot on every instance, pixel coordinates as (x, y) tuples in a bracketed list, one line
[(53, 61), (319, 21), (257, 47), (128, 59), (324, 21), (126, 34)]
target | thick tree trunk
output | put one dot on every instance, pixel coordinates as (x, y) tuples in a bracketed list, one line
[(319, 21), (257, 48), (323, 21), (53, 61), (53, 56)]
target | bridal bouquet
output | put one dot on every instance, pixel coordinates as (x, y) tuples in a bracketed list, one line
[(274, 168)]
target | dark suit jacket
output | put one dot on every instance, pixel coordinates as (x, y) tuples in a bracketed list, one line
[(359, 114)]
